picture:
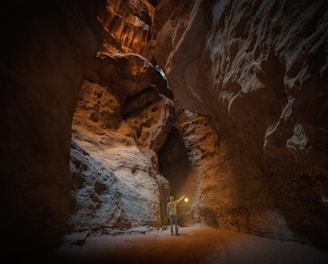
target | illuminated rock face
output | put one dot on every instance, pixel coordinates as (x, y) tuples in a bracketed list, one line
[(121, 121), (128, 26), (123, 116), (241, 131)]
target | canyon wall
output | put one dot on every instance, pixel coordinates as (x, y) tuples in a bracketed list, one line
[(44, 50), (121, 121), (258, 69)]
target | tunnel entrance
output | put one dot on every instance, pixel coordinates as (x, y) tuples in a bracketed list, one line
[(176, 168)]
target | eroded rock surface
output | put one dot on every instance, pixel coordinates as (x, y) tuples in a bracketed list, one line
[(260, 72), (121, 121)]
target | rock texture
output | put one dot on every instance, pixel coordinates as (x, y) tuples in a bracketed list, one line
[(127, 24), (121, 121), (260, 72), (96, 137)]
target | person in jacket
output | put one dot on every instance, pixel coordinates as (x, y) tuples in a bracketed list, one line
[(173, 214)]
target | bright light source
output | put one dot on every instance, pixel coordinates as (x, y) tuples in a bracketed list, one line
[(186, 199)]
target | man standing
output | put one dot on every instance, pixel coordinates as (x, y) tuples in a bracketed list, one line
[(172, 213)]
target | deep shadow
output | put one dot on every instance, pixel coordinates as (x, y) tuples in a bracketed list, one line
[(175, 167), (173, 161)]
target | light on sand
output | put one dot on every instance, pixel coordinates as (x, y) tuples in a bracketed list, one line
[(186, 199)]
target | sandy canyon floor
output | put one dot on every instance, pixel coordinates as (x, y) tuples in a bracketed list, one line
[(195, 244)]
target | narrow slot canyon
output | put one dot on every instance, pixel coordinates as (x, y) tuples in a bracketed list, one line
[(111, 107)]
